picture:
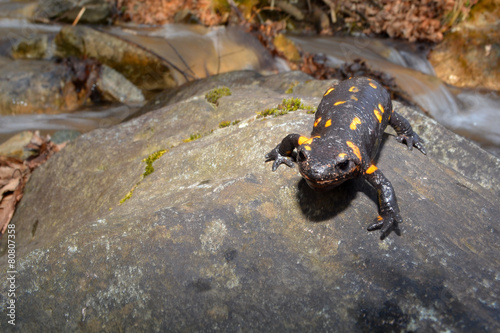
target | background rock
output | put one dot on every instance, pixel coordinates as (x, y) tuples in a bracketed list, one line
[(36, 86), (96, 11), (142, 68), (469, 55), (213, 240)]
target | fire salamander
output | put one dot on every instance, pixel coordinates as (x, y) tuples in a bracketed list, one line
[(346, 136)]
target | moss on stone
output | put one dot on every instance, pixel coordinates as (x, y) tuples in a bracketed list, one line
[(192, 137), (149, 162), (223, 124), (148, 169), (287, 105), (214, 95), (292, 85), (128, 195), (311, 110)]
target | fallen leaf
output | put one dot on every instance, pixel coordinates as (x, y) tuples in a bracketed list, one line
[(10, 186), (14, 174), (7, 209)]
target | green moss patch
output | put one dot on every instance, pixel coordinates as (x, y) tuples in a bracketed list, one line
[(292, 85), (214, 95), (129, 194), (148, 169), (287, 105), (149, 162), (223, 124), (192, 137)]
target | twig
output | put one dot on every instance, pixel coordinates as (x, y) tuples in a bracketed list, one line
[(79, 16)]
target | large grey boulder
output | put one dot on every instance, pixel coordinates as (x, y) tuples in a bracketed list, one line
[(212, 240)]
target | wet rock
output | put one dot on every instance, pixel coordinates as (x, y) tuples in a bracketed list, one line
[(35, 86), (18, 9), (468, 55), (287, 48), (116, 88), (31, 48), (144, 69), (64, 136), (14, 146), (96, 11), (211, 239), (197, 52)]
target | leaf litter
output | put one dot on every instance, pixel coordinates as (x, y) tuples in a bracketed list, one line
[(15, 173)]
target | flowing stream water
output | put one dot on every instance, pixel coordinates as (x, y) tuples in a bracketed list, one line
[(200, 52)]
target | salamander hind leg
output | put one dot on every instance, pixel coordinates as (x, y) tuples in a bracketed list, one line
[(406, 133)]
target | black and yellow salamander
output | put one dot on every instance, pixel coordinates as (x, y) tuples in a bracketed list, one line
[(348, 128)]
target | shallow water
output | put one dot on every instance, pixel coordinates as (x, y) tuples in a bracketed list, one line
[(82, 121), (199, 52), (196, 51)]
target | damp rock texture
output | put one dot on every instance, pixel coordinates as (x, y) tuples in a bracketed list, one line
[(209, 239)]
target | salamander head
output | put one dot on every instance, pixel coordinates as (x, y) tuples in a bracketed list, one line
[(325, 164)]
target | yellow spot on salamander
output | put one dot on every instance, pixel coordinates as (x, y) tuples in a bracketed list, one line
[(354, 98), (373, 85), (307, 147), (329, 91), (339, 102), (381, 108), (371, 169), (355, 122), (378, 115), (328, 123), (354, 148), (302, 139), (342, 155), (380, 218), (316, 122), (353, 89)]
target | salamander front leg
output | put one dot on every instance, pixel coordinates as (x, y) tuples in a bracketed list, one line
[(283, 151), (389, 218)]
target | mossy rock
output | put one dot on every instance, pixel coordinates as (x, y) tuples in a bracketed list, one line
[(214, 240)]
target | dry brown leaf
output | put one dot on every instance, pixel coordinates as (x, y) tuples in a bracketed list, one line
[(10, 186), (14, 174), (43, 149), (7, 209)]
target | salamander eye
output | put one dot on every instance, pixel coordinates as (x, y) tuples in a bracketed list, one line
[(344, 166), (301, 157)]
